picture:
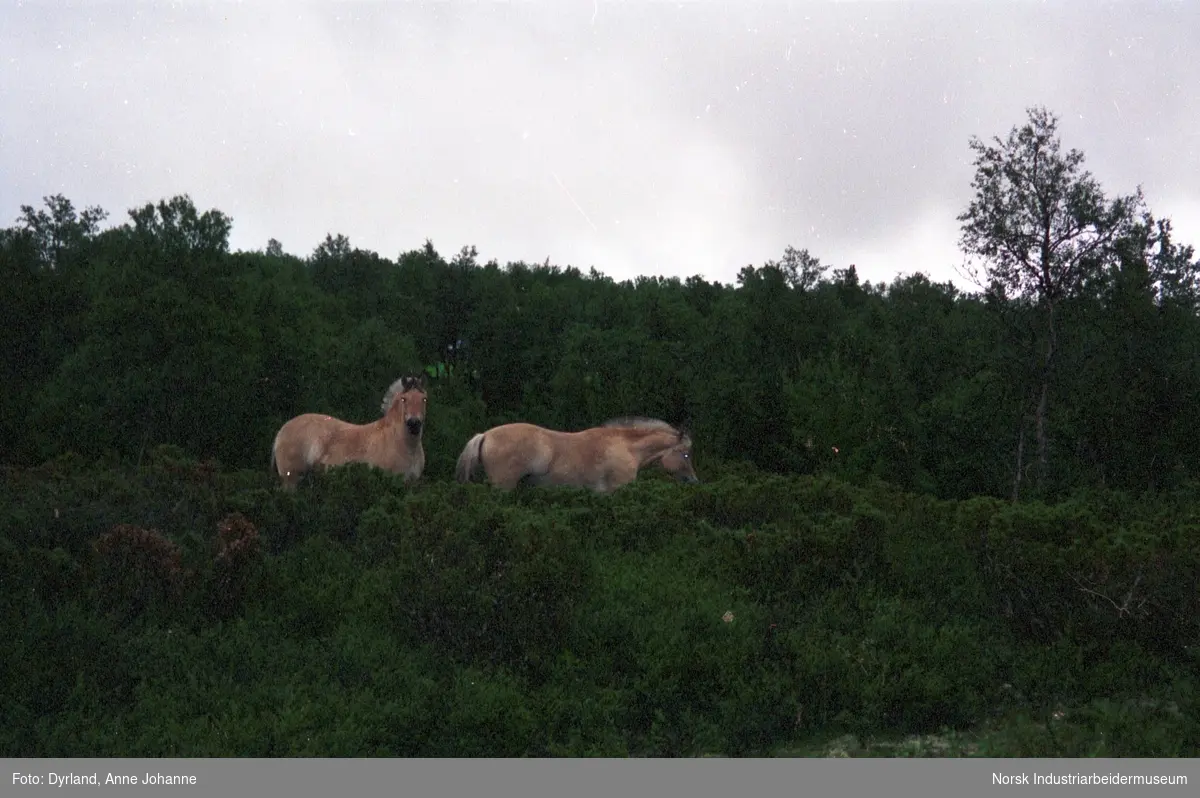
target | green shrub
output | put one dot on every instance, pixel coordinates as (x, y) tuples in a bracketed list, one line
[(305, 589), (1057, 571), (735, 502), (136, 570), (363, 616), (236, 568), (53, 663), (865, 662), (487, 583), (785, 565), (1143, 727)]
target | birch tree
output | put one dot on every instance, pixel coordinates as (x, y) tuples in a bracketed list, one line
[(1043, 229)]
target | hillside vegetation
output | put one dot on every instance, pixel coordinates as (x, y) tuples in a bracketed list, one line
[(929, 521)]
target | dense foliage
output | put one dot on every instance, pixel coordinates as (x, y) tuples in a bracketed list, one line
[(176, 610), (152, 333), (861, 448)]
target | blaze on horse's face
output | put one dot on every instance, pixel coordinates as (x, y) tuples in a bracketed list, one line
[(678, 461), (412, 408)]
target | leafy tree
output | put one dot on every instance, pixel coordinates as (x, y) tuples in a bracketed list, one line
[(417, 275), (1044, 229), (178, 229), (1133, 345), (360, 277), (1172, 271), (453, 298), (802, 270), (333, 248), (62, 229), (495, 337)]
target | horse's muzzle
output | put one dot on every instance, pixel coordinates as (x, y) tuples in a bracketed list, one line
[(414, 425), (690, 479)]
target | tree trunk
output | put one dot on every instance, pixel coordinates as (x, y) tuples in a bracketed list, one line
[(1020, 460), (1043, 399), (1041, 430)]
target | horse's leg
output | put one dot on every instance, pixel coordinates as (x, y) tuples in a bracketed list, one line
[(615, 476), (609, 482), (285, 470), (508, 478), (290, 477), (508, 483), (503, 468), (598, 482), (533, 480)]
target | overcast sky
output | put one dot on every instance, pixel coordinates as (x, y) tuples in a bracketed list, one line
[(638, 138)]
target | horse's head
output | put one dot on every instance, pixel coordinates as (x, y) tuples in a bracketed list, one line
[(678, 460), (405, 402)]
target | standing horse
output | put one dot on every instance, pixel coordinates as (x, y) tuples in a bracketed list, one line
[(392, 443), (601, 458)]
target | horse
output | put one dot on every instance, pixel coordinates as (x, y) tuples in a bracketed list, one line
[(393, 442), (600, 458)]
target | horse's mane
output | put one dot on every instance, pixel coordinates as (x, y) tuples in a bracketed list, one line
[(405, 383), (639, 422)]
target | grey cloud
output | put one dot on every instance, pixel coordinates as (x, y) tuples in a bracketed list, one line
[(637, 138)]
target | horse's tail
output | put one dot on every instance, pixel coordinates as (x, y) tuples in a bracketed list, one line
[(275, 455), (469, 459)]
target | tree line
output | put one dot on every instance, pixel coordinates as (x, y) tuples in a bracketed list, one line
[(1071, 364)]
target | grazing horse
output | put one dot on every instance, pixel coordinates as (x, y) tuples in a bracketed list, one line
[(392, 443), (601, 458)]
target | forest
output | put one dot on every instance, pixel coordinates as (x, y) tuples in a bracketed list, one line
[(931, 521)]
